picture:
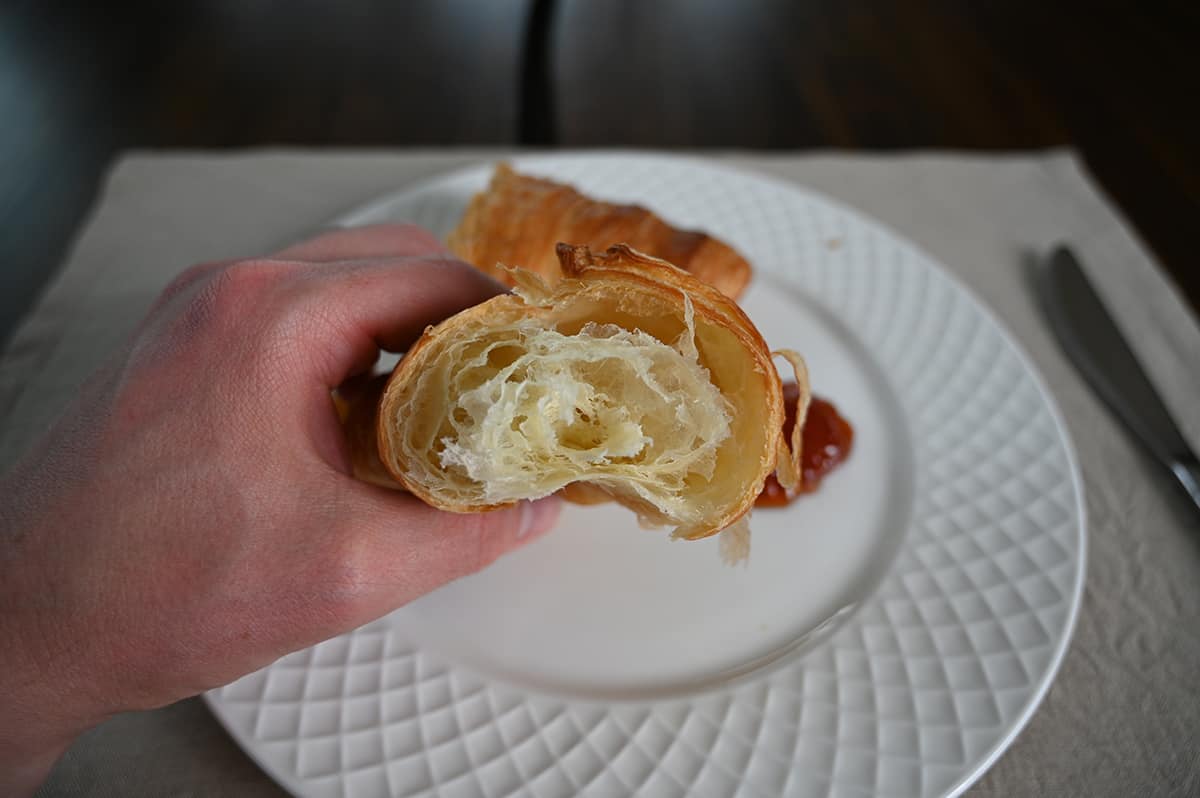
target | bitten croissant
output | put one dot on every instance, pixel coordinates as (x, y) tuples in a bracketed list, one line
[(518, 220), (628, 380)]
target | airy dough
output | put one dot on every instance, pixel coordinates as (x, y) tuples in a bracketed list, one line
[(628, 380), (606, 405)]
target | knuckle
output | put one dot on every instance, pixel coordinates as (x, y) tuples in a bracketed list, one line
[(403, 237), (344, 605), (189, 278), (232, 287), (413, 232), (214, 306), (328, 588), (232, 294), (491, 532), (341, 585), (449, 264), (443, 271), (343, 569)]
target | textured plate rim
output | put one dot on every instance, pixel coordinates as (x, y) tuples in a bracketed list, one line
[(360, 214)]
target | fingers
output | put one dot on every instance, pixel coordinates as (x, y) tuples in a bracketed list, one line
[(363, 243), (395, 548), (385, 304), (339, 297)]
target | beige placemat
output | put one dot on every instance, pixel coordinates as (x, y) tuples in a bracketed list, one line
[(1124, 715)]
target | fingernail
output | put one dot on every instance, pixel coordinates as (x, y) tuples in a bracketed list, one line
[(537, 517)]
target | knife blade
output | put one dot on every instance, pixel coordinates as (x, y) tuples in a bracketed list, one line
[(1095, 345)]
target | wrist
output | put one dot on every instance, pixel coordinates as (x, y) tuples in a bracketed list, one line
[(44, 705), (23, 768), (43, 711), (41, 719)]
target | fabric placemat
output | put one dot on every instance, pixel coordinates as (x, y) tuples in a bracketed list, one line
[(1122, 718)]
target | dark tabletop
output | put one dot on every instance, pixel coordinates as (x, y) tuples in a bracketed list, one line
[(80, 81)]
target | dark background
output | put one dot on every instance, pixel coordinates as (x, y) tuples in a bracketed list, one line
[(1120, 81)]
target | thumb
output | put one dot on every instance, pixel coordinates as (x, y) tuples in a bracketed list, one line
[(397, 548)]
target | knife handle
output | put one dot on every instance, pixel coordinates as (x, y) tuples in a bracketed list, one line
[(1095, 345)]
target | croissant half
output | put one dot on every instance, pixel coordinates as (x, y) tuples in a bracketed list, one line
[(629, 380), (518, 220)]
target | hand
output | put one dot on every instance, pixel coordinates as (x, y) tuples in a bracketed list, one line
[(191, 518)]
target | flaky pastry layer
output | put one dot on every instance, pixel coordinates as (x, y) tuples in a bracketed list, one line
[(518, 220), (629, 379)]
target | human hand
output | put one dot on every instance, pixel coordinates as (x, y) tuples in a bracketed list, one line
[(191, 517)]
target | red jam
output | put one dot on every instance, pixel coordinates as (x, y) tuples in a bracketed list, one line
[(826, 442)]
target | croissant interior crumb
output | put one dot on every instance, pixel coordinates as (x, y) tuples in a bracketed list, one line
[(626, 380), (534, 409)]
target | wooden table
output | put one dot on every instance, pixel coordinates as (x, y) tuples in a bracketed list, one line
[(1118, 81)]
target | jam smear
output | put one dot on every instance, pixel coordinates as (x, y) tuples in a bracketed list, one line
[(827, 441)]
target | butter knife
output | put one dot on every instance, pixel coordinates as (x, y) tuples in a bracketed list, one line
[(1092, 341)]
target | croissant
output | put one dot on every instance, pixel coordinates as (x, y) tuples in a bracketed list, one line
[(628, 380), (518, 219)]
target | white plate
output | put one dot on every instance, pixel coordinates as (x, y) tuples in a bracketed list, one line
[(890, 635)]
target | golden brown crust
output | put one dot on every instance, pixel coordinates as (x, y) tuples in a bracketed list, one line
[(518, 220), (576, 261), (632, 290)]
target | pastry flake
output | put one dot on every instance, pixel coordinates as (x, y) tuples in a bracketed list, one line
[(627, 380), (518, 220)]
